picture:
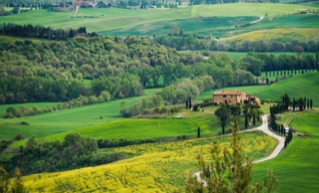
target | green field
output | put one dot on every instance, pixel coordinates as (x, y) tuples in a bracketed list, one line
[(306, 85), (133, 129), (200, 25), (222, 26), (111, 19), (65, 120), (297, 166), (160, 167)]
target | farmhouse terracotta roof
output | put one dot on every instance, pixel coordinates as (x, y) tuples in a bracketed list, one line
[(224, 92)]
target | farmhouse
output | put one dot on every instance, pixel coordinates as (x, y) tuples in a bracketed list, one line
[(233, 97)]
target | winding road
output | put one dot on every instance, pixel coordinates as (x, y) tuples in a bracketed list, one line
[(263, 128)]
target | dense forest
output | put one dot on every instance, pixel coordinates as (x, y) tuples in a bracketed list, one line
[(123, 66)]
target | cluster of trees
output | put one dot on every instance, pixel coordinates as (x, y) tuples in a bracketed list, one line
[(302, 103), (183, 41), (74, 152), (42, 32), (142, 106), (185, 89), (23, 111), (251, 112), (286, 61)]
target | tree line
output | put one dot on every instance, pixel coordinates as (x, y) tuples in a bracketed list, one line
[(23, 111), (182, 41), (73, 152), (42, 32)]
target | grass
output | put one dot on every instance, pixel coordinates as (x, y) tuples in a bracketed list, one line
[(306, 85), (159, 167), (65, 120), (291, 26), (112, 18), (280, 35), (281, 28), (296, 168), (200, 25), (133, 129)]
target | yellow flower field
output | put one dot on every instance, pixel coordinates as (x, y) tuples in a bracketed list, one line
[(153, 168)]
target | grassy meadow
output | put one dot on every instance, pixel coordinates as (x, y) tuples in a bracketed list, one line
[(296, 168), (294, 26), (133, 129), (159, 167), (65, 120), (304, 85)]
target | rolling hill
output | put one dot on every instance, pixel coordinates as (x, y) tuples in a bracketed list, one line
[(306, 85)]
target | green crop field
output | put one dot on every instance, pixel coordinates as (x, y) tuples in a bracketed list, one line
[(110, 19), (133, 129), (306, 85), (297, 166), (65, 120), (161, 167), (222, 26), (200, 25)]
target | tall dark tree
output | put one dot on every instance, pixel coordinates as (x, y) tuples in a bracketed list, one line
[(223, 113), (293, 104), (310, 103), (198, 132), (246, 121)]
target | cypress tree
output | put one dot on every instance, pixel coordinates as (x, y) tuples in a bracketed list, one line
[(310, 103), (246, 122), (198, 132), (187, 104), (304, 103), (293, 104)]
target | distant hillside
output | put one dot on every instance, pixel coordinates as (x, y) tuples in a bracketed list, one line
[(280, 35)]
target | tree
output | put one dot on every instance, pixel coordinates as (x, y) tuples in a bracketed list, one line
[(310, 103), (17, 184), (198, 132), (232, 174), (4, 180), (223, 113), (246, 121)]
